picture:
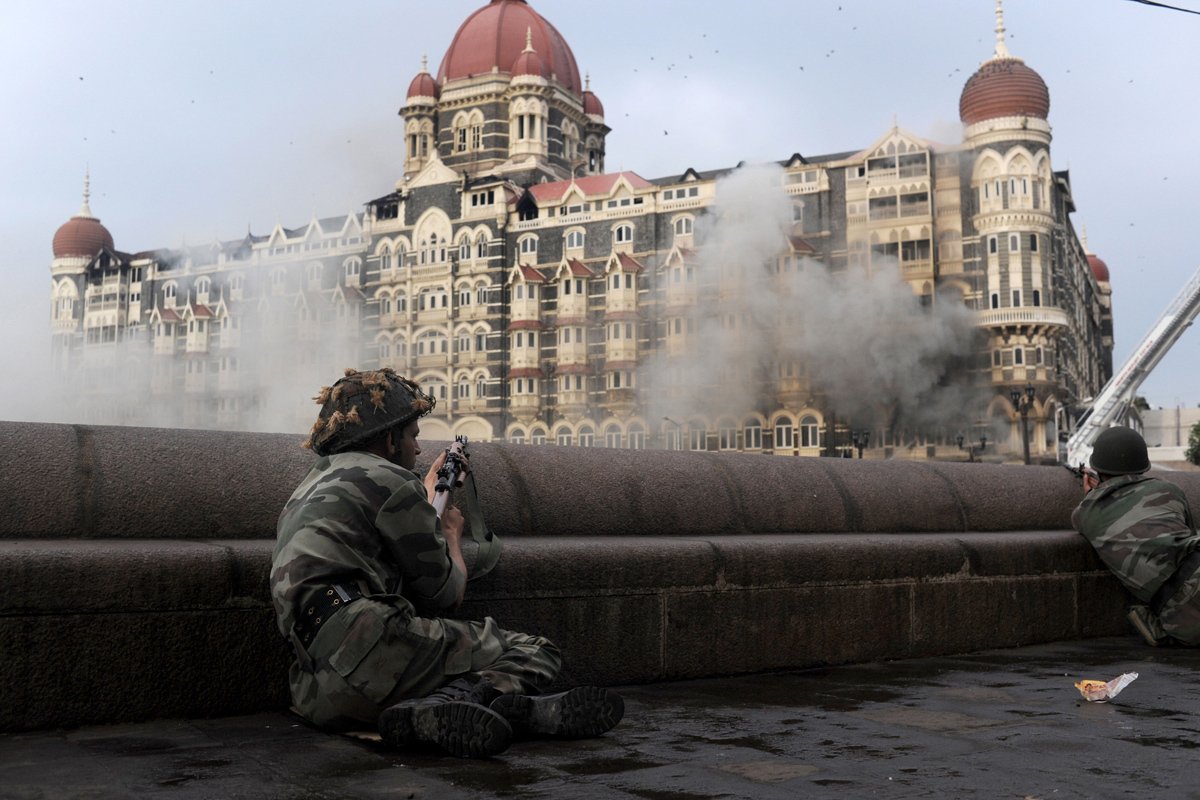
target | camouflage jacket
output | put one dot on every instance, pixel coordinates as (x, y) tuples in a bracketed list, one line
[(1141, 527), (358, 519)]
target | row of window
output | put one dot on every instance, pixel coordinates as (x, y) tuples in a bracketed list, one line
[(1014, 243), (1036, 295), (806, 435), (1018, 357), (574, 240)]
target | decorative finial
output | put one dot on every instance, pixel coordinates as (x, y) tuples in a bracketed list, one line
[(1084, 237), (587, 81), (1001, 47), (85, 210), (424, 62), (528, 40)]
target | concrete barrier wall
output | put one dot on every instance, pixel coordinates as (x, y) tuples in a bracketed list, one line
[(135, 564), (97, 482)]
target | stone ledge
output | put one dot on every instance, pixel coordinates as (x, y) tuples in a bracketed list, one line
[(108, 631), (78, 481)]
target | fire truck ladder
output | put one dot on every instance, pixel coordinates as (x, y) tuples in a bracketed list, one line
[(1112, 403)]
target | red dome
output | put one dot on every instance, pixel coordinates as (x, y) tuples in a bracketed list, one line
[(1099, 268), (423, 86), (591, 104), (1003, 87), (494, 37), (81, 236)]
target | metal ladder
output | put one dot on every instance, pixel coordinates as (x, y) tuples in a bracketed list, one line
[(1112, 403)]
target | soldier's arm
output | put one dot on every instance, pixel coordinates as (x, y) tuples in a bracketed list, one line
[(433, 571)]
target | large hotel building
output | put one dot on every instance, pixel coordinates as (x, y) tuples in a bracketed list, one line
[(530, 290)]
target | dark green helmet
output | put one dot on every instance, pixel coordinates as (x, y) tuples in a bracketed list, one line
[(1120, 451), (363, 405)]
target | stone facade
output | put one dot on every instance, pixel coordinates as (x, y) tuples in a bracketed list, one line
[(538, 297)]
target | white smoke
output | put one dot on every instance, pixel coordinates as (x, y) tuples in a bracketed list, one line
[(861, 343), (263, 382)]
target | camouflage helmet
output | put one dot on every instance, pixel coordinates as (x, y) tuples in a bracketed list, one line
[(362, 405), (1120, 451)]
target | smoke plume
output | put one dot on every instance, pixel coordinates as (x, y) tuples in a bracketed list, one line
[(855, 343)]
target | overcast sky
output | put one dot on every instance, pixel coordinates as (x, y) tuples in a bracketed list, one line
[(200, 118)]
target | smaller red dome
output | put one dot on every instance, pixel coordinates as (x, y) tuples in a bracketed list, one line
[(1003, 87), (530, 63), (423, 86), (591, 104), (81, 236), (1099, 268)]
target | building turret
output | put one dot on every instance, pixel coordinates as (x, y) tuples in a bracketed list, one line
[(528, 106), (420, 120)]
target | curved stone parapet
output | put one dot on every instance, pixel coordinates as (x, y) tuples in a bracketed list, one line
[(84, 481), (136, 564)]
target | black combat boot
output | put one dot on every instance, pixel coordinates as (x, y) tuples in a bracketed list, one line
[(578, 713), (456, 718)]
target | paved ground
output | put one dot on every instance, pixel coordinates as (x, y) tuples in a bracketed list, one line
[(999, 724)]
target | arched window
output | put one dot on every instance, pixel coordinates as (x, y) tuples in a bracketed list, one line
[(623, 233), (612, 436), (575, 240), (752, 435), (587, 437), (810, 432), (784, 434), (529, 245), (637, 437), (683, 226)]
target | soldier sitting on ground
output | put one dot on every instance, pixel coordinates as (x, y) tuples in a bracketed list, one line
[(1143, 530), (362, 566)]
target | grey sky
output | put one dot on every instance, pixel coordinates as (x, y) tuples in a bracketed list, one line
[(198, 118)]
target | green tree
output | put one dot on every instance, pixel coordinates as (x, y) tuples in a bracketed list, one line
[(1193, 450)]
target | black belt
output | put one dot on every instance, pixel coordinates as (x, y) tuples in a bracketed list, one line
[(1185, 570), (323, 606)]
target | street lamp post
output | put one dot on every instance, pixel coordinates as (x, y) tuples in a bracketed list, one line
[(1023, 402), (970, 448), (860, 439)]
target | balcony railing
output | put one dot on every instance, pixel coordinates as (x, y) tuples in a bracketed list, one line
[(1035, 315)]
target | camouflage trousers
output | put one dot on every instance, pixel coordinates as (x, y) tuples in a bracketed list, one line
[(1180, 613), (371, 655)]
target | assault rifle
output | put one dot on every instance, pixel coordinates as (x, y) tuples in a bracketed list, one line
[(1081, 470), (451, 473), (455, 472)]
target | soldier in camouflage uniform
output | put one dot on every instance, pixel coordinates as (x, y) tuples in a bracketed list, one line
[(363, 565), (1142, 529)]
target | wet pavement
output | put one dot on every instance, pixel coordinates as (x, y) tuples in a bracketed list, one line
[(998, 724)]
